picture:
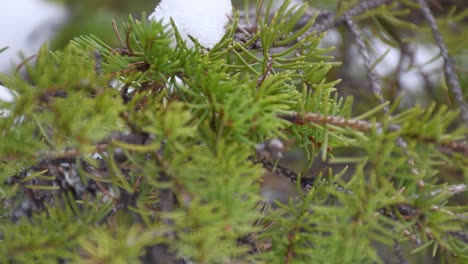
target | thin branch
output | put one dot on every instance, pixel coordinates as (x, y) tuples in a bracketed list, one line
[(375, 85), (267, 71), (327, 20), (283, 171), (449, 65), (319, 119), (398, 252), (26, 61), (377, 89), (450, 189), (296, 118), (365, 127), (71, 152)]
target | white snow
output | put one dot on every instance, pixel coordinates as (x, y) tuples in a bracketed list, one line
[(5, 94), (24, 26), (204, 20), (277, 3)]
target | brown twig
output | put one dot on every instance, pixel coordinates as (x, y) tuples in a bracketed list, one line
[(365, 127), (267, 72), (26, 61), (117, 34), (71, 152)]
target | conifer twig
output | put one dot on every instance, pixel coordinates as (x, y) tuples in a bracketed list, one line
[(25, 62), (71, 152), (267, 71), (283, 171), (450, 189), (363, 126)]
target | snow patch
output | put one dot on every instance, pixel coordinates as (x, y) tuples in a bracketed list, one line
[(204, 20), (25, 25)]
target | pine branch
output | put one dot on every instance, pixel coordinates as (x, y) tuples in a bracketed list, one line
[(181, 180)]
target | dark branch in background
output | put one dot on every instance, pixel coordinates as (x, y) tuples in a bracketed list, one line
[(71, 153), (327, 20), (375, 85), (449, 65), (166, 205), (398, 252), (306, 183)]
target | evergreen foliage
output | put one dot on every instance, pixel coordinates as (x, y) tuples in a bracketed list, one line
[(148, 153)]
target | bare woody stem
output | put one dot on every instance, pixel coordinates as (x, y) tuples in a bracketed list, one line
[(366, 127)]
